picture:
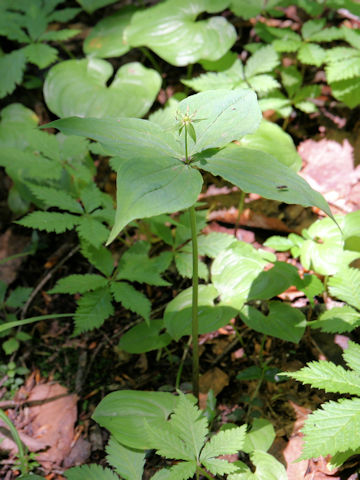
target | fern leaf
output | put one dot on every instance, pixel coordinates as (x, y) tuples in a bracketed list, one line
[(263, 60), (337, 320), (168, 444), (345, 286), (225, 442), (12, 68), (40, 54), (53, 197), (79, 283), (328, 376), (219, 467), (128, 463), (49, 221), (187, 422), (352, 356), (90, 472), (93, 309), (101, 257), (181, 471), (92, 231), (332, 428), (263, 83), (131, 299), (311, 54)]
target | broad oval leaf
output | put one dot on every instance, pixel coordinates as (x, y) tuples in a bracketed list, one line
[(124, 414), (78, 87), (171, 31), (258, 172), (220, 116), (106, 38), (283, 321), (144, 338), (177, 315)]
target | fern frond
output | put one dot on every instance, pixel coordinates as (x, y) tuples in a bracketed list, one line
[(79, 283), (332, 428), (189, 425), (92, 231), (345, 285), (53, 197), (131, 299), (49, 221), (328, 376), (226, 442), (93, 309)]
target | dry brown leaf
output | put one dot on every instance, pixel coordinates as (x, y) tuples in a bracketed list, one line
[(214, 379)]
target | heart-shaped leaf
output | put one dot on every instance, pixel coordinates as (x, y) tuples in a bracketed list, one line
[(78, 87), (283, 321), (171, 31), (106, 38)]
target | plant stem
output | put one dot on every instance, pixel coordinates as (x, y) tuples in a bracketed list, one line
[(240, 211), (195, 297), (17, 440), (204, 472), (151, 58)]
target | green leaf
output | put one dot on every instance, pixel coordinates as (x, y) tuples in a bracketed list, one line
[(228, 79), (347, 68), (233, 272), (171, 31), (101, 258), (183, 262), (263, 60), (311, 54), (18, 297), (145, 337), (347, 91), (312, 27), (327, 35), (189, 425), (333, 428), (267, 467), (128, 463), (124, 413), (260, 437), (351, 356), (311, 285), (49, 221), (10, 346), (168, 444), (263, 83), (258, 172), (53, 197), (131, 299), (218, 466), (337, 320), (340, 458), (177, 315), (281, 244), (345, 286), (92, 231), (272, 282), (59, 35), (283, 321), (79, 283), (213, 243), (12, 67), (92, 5), (223, 116), (90, 472), (136, 266), (328, 376), (93, 309), (226, 442), (78, 87), (106, 38), (270, 138), (40, 54), (180, 471)]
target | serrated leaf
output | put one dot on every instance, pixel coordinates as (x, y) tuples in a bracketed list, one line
[(101, 257), (213, 243), (263, 60), (49, 221), (226, 442), (128, 463), (337, 320), (283, 321), (59, 35), (12, 67), (167, 443), (183, 262), (340, 458), (263, 83), (63, 15), (10, 345), (347, 68), (351, 356), (18, 297), (53, 197), (93, 309), (281, 244), (311, 54), (79, 283), (145, 337), (219, 467), (40, 54), (78, 87), (189, 425), (331, 429), (180, 471), (328, 376), (327, 35), (136, 266), (171, 30), (131, 299), (311, 27), (92, 231), (347, 91), (90, 472), (345, 285)]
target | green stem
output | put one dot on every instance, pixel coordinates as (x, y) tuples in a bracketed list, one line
[(204, 472), (21, 448), (240, 211), (181, 365), (195, 298), (151, 58)]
